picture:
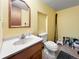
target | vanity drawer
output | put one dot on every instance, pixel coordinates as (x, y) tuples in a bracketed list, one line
[(29, 52)]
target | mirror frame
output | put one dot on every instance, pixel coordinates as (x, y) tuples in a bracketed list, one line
[(10, 6)]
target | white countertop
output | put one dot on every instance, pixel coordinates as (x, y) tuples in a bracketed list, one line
[(9, 48)]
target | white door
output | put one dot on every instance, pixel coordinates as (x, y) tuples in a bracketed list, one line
[(0, 23), (0, 34), (42, 22)]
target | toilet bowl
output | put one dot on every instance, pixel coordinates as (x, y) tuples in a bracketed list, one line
[(50, 47), (47, 55)]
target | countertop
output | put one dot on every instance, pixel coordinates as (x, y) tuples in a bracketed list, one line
[(9, 48), (70, 51)]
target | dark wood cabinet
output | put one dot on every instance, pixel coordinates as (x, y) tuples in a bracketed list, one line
[(33, 52), (37, 55)]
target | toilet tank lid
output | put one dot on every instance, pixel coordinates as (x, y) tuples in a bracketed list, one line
[(42, 34)]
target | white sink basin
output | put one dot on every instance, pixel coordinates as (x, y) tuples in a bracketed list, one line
[(22, 41), (26, 40), (19, 42)]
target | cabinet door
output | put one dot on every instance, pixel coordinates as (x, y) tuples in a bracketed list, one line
[(21, 55), (37, 55)]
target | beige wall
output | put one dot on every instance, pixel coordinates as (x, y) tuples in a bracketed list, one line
[(68, 22), (35, 5)]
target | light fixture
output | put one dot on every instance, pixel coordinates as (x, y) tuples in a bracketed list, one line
[(20, 4)]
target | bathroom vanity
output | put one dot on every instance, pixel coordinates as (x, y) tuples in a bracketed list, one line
[(32, 49), (33, 52)]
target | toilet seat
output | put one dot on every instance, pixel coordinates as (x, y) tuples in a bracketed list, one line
[(50, 45)]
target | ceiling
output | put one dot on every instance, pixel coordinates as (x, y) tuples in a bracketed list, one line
[(61, 4)]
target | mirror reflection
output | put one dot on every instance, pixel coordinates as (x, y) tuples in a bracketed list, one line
[(19, 14)]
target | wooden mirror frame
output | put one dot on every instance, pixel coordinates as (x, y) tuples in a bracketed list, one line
[(10, 26)]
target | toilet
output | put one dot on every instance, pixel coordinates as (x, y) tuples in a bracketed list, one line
[(49, 47)]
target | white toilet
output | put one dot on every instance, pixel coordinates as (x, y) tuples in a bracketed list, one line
[(50, 47)]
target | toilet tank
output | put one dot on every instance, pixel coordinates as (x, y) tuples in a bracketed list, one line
[(44, 36)]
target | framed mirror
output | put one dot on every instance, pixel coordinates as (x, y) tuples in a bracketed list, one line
[(19, 14)]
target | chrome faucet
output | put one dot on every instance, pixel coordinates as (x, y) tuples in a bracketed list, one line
[(22, 36)]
